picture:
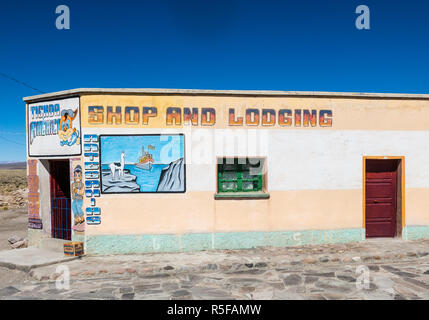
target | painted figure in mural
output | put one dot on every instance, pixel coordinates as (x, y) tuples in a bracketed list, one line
[(68, 135), (77, 199), (115, 166)]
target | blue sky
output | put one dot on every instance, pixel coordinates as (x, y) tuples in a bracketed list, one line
[(255, 45)]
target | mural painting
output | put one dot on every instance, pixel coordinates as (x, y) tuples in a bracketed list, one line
[(54, 128), (68, 134), (77, 188), (142, 163)]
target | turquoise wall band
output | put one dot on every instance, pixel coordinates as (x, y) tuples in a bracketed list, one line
[(415, 232), (126, 244)]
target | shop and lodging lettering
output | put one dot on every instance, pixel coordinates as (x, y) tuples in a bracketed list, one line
[(163, 170), (207, 116)]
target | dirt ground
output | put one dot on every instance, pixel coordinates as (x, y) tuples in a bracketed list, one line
[(12, 222), (13, 188), (11, 277), (13, 203), (12, 179)]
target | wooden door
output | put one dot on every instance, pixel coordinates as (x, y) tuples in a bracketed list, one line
[(380, 213), (60, 199)]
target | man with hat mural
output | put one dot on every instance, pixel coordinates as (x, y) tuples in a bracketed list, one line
[(77, 199)]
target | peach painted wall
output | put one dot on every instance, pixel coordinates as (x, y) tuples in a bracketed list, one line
[(314, 173)]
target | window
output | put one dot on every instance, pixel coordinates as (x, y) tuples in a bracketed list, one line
[(240, 177)]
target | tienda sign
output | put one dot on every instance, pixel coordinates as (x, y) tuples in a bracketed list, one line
[(54, 128)]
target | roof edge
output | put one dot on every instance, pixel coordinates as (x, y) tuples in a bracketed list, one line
[(261, 93)]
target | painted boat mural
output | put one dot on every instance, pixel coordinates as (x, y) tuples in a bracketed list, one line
[(128, 168), (146, 160)]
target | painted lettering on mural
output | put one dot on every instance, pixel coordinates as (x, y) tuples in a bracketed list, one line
[(54, 128), (178, 116), (46, 121), (142, 163), (282, 117), (92, 175)]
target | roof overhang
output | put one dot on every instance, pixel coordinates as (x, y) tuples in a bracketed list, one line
[(246, 93)]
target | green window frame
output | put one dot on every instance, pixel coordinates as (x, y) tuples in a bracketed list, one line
[(237, 176)]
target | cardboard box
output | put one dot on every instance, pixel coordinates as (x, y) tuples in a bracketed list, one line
[(73, 248)]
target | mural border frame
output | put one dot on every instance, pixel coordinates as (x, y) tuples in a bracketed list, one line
[(134, 135)]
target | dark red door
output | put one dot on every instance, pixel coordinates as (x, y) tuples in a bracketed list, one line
[(380, 213), (60, 199)]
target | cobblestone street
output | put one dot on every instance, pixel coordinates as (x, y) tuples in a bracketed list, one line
[(399, 271), (405, 280)]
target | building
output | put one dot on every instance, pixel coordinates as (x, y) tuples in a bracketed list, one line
[(152, 170)]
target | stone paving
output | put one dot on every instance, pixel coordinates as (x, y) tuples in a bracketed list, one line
[(396, 270), (402, 280), (384, 250)]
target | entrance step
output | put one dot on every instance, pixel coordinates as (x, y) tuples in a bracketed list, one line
[(53, 244), (29, 258)]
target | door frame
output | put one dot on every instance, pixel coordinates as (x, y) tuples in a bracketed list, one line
[(401, 194), (51, 181)]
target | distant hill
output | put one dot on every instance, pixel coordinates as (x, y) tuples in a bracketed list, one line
[(12, 165)]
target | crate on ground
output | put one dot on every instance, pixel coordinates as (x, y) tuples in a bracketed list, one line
[(74, 248)]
